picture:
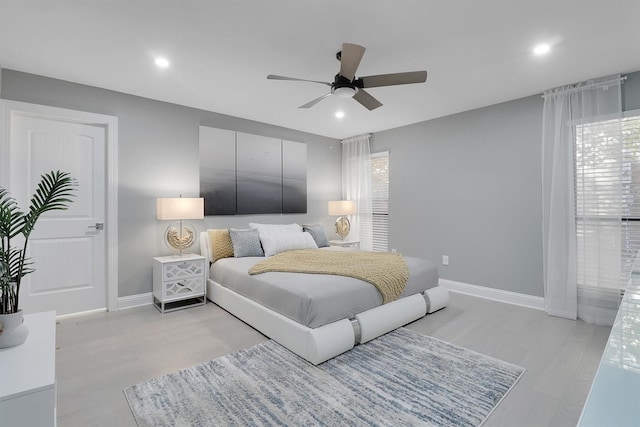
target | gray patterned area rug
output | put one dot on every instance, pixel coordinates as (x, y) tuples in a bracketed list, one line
[(400, 379)]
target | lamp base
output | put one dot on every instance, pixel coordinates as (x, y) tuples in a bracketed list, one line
[(343, 226), (180, 236)]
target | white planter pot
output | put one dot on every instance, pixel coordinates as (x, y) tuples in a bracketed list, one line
[(12, 331)]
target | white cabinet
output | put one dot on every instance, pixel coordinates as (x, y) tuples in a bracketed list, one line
[(27, 375), (178, 282)]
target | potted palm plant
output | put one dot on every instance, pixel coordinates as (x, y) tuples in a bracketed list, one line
[(54, 192)]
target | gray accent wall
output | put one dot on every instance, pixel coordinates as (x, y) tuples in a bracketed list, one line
[(469, 186), (158, 157)]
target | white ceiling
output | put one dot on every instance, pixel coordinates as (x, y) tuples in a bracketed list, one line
[(477, 53)]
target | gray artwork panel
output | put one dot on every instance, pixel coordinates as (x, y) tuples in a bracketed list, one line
[(218, 171), (259, 174), (294, 177)]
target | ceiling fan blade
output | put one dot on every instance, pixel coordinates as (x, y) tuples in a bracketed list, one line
[(393, 79), (368, 101), (315, 101), (350, 59), (274, 77)]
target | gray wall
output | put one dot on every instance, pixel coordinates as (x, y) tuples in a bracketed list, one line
[(466, 185), (469, 186), (158, 157)]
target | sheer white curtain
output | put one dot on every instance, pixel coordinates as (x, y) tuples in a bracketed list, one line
[(356, 185), (581, 211)]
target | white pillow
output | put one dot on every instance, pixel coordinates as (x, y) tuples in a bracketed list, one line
[(275, 228), (278, 238)]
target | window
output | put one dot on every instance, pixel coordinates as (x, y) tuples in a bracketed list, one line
[(380, 203), (607, 160)]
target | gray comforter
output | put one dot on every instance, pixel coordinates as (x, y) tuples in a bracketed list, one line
[(314, 300)]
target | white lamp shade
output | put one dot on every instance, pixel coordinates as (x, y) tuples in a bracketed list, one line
[(342, 207), (175, 208)]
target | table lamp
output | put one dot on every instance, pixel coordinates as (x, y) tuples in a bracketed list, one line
[(341, 208), (180, 235)]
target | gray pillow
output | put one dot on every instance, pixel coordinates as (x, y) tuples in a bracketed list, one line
[(245, 243), (318, 233)]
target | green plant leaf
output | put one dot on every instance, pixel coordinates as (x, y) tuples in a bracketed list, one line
[(54, 192), (11, 218)]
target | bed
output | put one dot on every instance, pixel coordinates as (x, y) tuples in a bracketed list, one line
[(316, 316)]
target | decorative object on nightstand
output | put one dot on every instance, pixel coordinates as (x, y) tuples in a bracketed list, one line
[(178, 282), (180, 235), (341, 208), (345, 243)]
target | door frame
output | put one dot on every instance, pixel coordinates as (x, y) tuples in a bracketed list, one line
[(9, 109)]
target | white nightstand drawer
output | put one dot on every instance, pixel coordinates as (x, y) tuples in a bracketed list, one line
[(179, 269), (183, 288)]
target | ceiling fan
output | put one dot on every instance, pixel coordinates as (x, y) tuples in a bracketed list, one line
[(346, 85)]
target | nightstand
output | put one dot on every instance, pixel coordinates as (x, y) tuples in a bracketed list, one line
[(178, 282), (345, 243)]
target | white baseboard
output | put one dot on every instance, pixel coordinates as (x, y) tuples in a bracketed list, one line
[(499, 295), (80, 313), (508, 297), (135, 300)]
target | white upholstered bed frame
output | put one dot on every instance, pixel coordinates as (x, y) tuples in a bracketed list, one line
[(320, 344)]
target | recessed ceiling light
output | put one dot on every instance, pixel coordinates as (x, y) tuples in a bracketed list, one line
[(339, 114), (162, 62), (541, 49)]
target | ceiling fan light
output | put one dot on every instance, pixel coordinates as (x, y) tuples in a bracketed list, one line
[(345, 91)]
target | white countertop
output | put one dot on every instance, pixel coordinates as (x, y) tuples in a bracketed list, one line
[(614, 399), (30, 366)]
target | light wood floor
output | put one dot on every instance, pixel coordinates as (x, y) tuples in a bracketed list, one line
[(101, 354)]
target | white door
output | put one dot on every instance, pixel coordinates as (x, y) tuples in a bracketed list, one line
[(67, 247)]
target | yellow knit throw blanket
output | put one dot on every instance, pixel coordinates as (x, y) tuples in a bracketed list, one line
[(388, 272)]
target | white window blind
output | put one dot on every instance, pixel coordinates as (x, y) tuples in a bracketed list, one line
[(380, 203), (607, 158)]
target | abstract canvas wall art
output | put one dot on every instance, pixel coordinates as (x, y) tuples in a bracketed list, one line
[(218, 171), (241, 173), (294, 177)]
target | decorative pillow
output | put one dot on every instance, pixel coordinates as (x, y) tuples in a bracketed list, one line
[(246, 243), (318, 233), (220, 243), (278, 238), (275, 228)]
